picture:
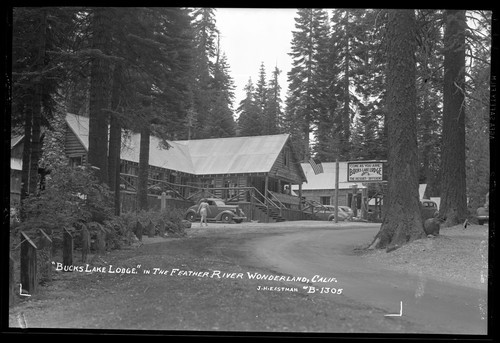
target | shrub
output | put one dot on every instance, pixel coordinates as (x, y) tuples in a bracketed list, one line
[(172, 217), (71, 195)]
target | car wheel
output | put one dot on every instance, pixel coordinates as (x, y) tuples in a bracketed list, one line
[(226, 218), (331, 218), (191, 217), (480, 222)]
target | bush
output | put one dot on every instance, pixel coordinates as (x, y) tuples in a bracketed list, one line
[(71, 195), (172, 217)]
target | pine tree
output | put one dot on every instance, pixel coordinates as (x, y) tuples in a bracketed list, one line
[(357, 71), (221, 121), (272, 110), (429, 98), (305, 101), (453, 198), (402, 220), (260, 96), (477, 119), (205, 33), (249, 120), (40, 37), (163, 62), (99, 92)]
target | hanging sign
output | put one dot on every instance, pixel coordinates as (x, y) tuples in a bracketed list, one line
[(365, 171)]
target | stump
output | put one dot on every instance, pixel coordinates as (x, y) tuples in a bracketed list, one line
[(28, 264), (44, 256), (67, 248), (85, 237)]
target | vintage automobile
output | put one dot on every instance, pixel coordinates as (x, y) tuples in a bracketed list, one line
[(218, 211), (429, 209), (327, 212), (483, 212)]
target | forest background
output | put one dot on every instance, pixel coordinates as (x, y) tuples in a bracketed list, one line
[(163, 72)]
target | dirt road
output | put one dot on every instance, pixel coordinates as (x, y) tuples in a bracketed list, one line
[(441, 307), (202, 283)]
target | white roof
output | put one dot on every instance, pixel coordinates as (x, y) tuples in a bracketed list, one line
[(233, 155), (16, 163), (326, 180)]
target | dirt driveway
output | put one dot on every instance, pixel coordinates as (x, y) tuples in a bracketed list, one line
[(227, 277)]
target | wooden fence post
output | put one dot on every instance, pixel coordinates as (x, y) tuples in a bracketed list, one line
[(161, 228), (85, 237), (101, 240), (28, 264), (138, 230), (151, 229), (45, 256), (67, 248)]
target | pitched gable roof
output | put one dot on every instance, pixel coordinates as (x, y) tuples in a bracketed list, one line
[(15, 140), (235, 155), (232, 155)]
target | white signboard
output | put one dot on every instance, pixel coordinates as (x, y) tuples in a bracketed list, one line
[(365, 171)]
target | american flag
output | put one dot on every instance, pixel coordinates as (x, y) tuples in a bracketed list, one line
[(316, 165)]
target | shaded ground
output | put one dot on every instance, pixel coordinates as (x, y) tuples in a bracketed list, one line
[(180, 302), (457, 255)]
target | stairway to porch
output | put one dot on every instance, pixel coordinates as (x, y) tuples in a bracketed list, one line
[(274, 215)]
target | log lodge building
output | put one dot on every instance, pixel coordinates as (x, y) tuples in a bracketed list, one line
[(260, 173), (257, 172)]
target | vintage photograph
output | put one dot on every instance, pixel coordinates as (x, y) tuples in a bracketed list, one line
[(289, 171)]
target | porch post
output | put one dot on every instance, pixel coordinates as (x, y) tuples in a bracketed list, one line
[(266, 185), (300, 196)]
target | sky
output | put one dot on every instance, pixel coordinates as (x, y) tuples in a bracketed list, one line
[(250, 36)]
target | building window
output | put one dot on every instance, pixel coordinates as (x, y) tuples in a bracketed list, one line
[(324, 200), (75, 161)]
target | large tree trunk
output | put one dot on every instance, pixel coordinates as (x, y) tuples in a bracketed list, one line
[(453, 192), (345, 118), (36, 105), (99, 89), (142, 184), (25, 172), (36, 144), (115, 140), (402, 220)]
